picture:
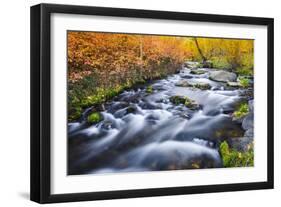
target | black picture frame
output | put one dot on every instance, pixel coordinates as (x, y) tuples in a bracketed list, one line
[(40, 102)]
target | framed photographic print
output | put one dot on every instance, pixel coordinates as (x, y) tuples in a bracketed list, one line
[(132, 103)]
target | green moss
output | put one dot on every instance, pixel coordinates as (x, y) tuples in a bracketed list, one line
[(178, 99), (233, 158), (197, 72), (245, 82), (149, 89), (185, 101), (202, 86), (74, 113), (242, 111), (94, 117)]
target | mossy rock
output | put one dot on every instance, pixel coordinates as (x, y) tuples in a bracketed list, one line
[(149, 89), (185, 101), (202, 86), (197, 72), (94, 117)]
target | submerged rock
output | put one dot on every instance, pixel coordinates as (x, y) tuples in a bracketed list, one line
[(222, 76)]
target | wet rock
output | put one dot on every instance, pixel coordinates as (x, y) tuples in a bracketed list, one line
[(222, 76), (197, 72), (187, 76), (241, 144), (191, 104), (248, 121), (249, 133), (131, 97), (233, 84), (202, 86), (117, 106), (148, 105), (247, 94), (251, 105), (185, 83)]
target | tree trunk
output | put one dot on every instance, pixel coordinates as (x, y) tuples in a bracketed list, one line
[(199, 50)]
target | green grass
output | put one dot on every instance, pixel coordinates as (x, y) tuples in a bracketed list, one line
[(242, 111), (244, 71), (81, 98), (233, 158), (245, 82), (220, 63)]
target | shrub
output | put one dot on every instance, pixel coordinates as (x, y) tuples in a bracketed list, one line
[(245, 82), (233, 158), (242, 111)]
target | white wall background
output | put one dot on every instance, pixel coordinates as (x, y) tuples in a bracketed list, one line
[(14, 102)]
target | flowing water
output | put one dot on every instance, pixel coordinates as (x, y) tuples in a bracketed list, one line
[(143, 131)]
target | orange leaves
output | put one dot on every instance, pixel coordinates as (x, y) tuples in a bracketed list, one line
[(107, 52)]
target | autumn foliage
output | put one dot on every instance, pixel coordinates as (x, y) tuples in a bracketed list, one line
[(101, 65), (121, 57)]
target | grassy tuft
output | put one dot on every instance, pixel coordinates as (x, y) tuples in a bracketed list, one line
[(242, 111), (233, 158)]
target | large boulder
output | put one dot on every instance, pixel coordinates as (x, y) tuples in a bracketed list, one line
[(223, 76)]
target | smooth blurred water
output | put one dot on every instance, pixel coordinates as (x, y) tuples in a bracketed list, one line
[(144, 132)]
